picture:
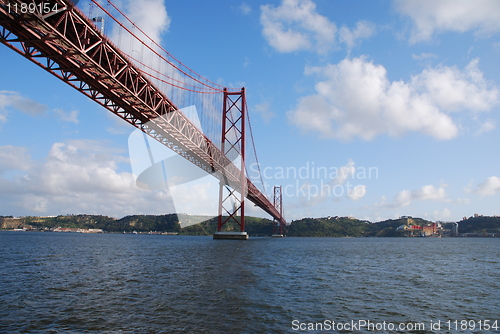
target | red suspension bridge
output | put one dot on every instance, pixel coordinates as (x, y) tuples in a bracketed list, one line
[(147, 90)]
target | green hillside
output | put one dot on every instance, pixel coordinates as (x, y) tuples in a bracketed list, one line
[(306, 227), (328, 227), (480, 224), (138, 223)]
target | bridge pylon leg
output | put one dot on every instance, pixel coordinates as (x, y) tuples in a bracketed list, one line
[(278, 204), (232, 195)]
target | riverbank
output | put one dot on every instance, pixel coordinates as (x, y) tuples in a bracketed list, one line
[(479, 226)]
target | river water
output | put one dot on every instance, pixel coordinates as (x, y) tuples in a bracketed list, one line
[(114, 283)]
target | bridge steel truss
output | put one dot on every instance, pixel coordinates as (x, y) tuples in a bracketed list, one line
[(68, 45)]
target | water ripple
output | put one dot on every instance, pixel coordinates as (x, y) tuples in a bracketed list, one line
[(111, 283)]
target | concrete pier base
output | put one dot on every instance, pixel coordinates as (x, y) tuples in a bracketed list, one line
[(278, 236), (231, 235)]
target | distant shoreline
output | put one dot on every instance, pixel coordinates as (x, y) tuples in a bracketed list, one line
[(169, 224), (472, 235)]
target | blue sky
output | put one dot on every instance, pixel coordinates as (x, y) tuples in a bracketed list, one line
[(390, 107)]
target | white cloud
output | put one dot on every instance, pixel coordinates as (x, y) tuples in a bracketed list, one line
[(295, 25), (345, 172), (356, 99), (453, 90), (84, 176), (247, 62), (428, 192), (364, 29), (34, 203), (21, 103), (334, 186), (430, 16), (405, 197), (357, 192), (82, 166), (441, 214), (487, 126), (78, 176), (462, 201), (490, 187), (70, 116), (151, 16), (423, 56), (118, 130), (264, 110), (245, 8), (14, 158)]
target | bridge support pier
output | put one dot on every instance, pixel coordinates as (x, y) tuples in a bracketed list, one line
[(232, 194), (231, 235)]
